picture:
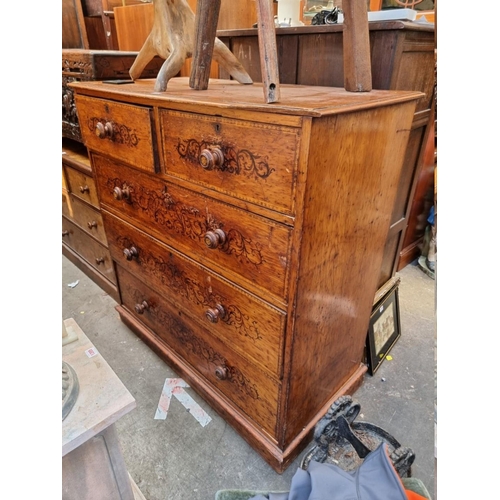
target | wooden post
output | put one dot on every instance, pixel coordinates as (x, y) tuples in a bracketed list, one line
[(207, 16), (356, 40), (268, 51)]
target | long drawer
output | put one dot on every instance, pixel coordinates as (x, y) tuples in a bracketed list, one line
[(85, 216), (243, 383), (244, 247), (241, 320), (96, 254), (256, 162), (123, 131)]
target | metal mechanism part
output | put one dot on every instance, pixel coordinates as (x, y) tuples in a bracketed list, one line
[(343, 442)]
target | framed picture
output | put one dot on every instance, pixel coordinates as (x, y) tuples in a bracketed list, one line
[(384, 330)]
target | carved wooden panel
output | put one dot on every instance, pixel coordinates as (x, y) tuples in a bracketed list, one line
[(250, 249), (241, 320)]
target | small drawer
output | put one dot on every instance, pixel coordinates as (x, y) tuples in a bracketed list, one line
[(245, 323), (93, 252), (252, 161), (244, 384), (86, 217), (123, 131), (82, 186), (250, 250)]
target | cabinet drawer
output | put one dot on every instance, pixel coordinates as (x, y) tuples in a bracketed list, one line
[(245, 323), (94, 253), (243, 247), (123, 131), (82, 186), (243, 383), (86, 217), (252, 161)]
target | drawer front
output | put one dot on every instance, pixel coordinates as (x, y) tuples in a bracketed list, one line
[(94, 253), (122, 131), (243, 383), (242, 321), (243, 247), (82, 186), (252, 161), (86, 217)]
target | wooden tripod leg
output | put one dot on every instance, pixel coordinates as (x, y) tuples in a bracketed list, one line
[(356, 40), (207, 16), (268, 51)]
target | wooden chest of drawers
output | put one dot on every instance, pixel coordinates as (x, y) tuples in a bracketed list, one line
[(248, 238)]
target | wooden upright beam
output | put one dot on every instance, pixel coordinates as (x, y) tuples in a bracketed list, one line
[(357, 62), (268, 51), (207, 16)]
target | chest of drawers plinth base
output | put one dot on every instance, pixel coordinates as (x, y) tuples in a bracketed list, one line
[(247, 238)]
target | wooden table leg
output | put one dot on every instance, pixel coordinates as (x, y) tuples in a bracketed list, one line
[(268, 51), (207, 16), (357, 61)]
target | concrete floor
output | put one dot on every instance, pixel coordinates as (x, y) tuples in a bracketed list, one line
[(178, 459)]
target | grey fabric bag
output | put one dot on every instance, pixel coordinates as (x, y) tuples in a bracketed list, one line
[(374, 479)]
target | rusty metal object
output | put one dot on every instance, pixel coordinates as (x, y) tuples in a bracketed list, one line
[(343, 442)]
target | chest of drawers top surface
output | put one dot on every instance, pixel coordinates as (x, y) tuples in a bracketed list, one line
[(296, 100)]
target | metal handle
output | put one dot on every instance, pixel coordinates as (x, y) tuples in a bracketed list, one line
[(99, 260), (84, 189), (92, 224), (65, 233)]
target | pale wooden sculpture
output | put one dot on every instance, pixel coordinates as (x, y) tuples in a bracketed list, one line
[(173, 39)]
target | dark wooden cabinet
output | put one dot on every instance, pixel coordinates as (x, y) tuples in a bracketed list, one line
[(402, 58), (248, 238)]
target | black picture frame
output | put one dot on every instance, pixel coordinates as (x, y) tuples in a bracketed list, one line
[(384, 330)]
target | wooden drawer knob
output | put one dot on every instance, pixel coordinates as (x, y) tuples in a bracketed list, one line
[(140, 308), (99, 260), (213, 239), (210, 158), (104, 130), (84, 189), (92, 224), (121, 193), (130, 253), (214, 314), (221, 372)]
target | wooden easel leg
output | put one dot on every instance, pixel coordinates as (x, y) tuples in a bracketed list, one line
[(356, 40), (268, 51), (207, 16)]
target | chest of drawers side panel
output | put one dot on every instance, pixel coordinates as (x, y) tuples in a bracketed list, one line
[(351, 186)]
